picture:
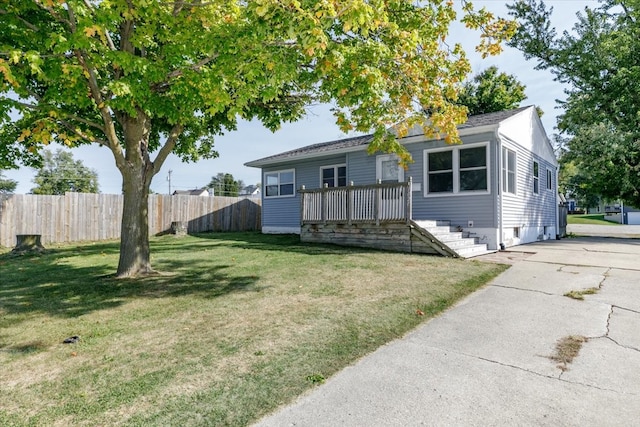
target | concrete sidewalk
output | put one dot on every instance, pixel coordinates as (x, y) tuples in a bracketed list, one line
[(485, 362)]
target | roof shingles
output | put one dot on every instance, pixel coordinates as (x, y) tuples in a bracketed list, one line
[(478, 120)]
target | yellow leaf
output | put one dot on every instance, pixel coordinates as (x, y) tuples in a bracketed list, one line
[(90, 31), (24, 135)]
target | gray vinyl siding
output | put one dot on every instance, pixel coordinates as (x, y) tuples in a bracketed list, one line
[(523, 209), (481, 209), (526, 208), (285, 211)]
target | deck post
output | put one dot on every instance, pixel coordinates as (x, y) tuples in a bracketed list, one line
[(302, 213), (324, 203), (378, 201), (408, 200), (350, 203)]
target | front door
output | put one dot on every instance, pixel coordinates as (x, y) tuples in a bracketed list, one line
[(388, 170)]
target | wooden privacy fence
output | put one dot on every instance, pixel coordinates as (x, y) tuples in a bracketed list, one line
[(381, 202), (91, 217)]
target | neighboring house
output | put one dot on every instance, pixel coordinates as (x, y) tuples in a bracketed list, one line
[(623, 214), (250, 191), (202, 192), (498, 187)]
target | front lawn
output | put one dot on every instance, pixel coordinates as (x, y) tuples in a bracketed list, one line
[(597, 219), (235, 325)]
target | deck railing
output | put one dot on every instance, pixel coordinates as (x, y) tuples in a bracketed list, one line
[(381, 202)]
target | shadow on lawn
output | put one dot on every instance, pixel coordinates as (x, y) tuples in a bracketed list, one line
[(278, 242), (47, 284)]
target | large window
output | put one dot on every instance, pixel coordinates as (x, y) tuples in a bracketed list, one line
[(333, 176), (536, 177), (280, 183), (508, 171), (457, 170)]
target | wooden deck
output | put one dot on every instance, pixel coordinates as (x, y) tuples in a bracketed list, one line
[(376, 216)]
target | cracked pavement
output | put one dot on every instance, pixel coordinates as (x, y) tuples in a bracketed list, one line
[(485, 362)]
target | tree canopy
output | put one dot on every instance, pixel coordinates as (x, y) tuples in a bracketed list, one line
[(600, 63), (490, 91), (224, 184), (60, 173), (145, 78), (7, 185)]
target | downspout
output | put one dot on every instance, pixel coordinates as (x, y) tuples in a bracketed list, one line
[(499, 189), (557, 204)]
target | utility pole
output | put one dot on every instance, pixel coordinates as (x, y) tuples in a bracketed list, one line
[(169, 179)]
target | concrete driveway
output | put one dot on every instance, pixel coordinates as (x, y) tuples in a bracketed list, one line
[(486, 361)]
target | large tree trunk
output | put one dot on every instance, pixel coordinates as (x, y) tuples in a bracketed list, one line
[(137, 171), (134, 235)]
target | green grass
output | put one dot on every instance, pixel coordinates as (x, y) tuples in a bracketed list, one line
[(589, 219), (579, 295), (235, 325)]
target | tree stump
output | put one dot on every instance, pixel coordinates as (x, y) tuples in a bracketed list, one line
[(28, 243), (179, 228)]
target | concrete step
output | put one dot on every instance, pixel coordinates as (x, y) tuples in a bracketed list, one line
[(442, 231), (426, 223), (460, 243), (472, 251)]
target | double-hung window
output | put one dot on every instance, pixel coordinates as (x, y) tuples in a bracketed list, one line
[(536, 177), (459, 170), (333, 176), (440, 172), (508, 171), (279, 183), (473, 168)]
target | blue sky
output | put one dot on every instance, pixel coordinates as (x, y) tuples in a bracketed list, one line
[(252, 141)]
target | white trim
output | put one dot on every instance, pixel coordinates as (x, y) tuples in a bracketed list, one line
[(280, 230), (549, 183), (335, 171), (504, 167), (387, 158), (535, 178), (456, 170), (278, 172)]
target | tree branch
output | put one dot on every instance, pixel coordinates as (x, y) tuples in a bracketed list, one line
[(107, 36), (27, 24), (167, 148), (109, 128), (83, 135), (53, 13), (161, 86)]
